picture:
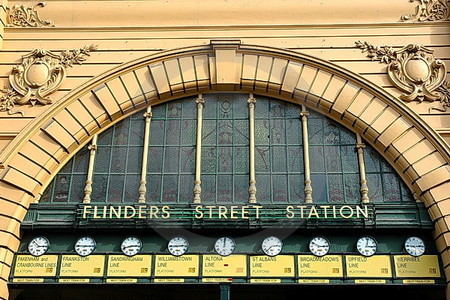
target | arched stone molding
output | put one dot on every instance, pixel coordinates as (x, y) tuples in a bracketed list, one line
[(418, 154)]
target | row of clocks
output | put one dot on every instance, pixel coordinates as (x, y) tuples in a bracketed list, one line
[(225, 246)]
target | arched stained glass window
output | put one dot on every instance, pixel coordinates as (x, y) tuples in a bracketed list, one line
[(280, 148)]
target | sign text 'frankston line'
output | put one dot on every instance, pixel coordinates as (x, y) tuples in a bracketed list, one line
[(232, 212)]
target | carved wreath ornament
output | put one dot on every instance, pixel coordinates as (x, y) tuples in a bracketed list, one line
[(40, 74), (414, 70)]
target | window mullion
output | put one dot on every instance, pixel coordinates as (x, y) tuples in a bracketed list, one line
[(143, 183), (198, 155), (362, 170), (252, 182), (89, 180), (308, 187)]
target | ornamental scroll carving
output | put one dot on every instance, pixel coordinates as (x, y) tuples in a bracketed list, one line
[(25, 16), (429, 10), (414, 70), (40, 74)]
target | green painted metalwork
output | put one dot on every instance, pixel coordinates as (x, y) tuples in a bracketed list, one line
[(225, 165)]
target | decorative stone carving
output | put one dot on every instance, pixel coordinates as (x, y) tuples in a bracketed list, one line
[(24, 16), (412, 69), (429, 10), (40, 74)]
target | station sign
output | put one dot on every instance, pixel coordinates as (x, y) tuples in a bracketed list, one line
[(224, 212), (368, 267), (214, 268), (31, 266), (79, 266), (326, 266), (422, 267), (226, 266), (126, 266), (176, 266), (277, 266)]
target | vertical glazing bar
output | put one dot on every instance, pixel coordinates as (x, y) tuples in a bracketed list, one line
[(198, 154), (143, 183), (252, 182), (362, 170), (88, 188), (308, 187)]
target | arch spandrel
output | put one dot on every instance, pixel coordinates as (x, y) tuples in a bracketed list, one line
[(417, 153)]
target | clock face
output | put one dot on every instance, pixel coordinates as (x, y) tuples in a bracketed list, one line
[(366, 246), (225, 246), (131, 246), (319, 246), (38, 246), (85, 246), (415, 246), (178, 246), (272, 246)]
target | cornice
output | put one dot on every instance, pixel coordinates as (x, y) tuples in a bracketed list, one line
[(443, 24)]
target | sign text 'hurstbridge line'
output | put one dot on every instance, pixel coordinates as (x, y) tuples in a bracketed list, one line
[(232, 212)]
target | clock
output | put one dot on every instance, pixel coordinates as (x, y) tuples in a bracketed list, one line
[(272, 246), (38, 246), (319, 246), (85, 246), (366, 246), (225, 246), (131, 246), (414, 246), (178, 246)]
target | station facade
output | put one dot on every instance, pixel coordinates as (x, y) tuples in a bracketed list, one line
[(224, 150)]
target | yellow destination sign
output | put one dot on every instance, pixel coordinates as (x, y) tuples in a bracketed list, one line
[(422, 266), (277, 266), (176, 266), (374, 266), (78, 266), (125, 266), (228, 266), (325, 266), (31, 266)]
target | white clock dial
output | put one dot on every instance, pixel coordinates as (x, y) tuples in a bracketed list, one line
[(85, 246), (131, 246), (319, 246), (38, 246), (415, 246), (272, 246), (225, 246), (178, 246), (366, 246)]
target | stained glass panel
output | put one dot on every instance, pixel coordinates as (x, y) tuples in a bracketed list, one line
[(171, 160), (334, 161), (278, 152), (279, 158)]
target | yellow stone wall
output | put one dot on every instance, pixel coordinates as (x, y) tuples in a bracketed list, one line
[(293, 50)]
